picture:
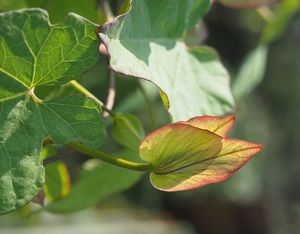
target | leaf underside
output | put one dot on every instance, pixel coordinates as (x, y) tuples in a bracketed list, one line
[(147, 42), (34, 53)]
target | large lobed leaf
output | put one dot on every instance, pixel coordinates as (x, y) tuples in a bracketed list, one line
[(34, 53), (188, 155), (147, 42)]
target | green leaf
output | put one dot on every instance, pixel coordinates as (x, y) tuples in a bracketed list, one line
[(96, 183), (251, 72), (57, 183), (128, 131), (21, 172), (188, 155), (148, 43), (282, 16), (34, 53), (58, 9), (73, 118)]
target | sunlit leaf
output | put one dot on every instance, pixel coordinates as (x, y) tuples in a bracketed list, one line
[(148, 43)]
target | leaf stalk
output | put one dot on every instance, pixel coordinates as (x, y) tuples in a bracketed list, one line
[(110, 159)]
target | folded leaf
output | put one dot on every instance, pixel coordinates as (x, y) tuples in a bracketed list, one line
[(233, 156), (184, 156), (177, 146)]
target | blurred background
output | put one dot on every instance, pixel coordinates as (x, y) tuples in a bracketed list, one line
[(259, 44)]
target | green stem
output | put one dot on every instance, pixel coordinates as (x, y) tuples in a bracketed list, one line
[(110, 159), (87, 93)]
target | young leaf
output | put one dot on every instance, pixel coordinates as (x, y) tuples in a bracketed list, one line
[(94, 185), (34, 53), (185, 156), (148, 43), (128, 131), (215, 124)]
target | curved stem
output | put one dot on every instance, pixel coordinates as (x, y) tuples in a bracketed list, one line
[(87, 93), (110, 159)]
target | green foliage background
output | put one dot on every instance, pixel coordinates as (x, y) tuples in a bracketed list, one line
[(264, 196)]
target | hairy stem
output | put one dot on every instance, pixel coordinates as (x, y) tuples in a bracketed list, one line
[(110, 159)]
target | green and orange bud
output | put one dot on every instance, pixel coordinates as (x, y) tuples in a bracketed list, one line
[(191, 154)]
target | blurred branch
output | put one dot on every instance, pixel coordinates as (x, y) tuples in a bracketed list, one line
[(104, 4), (110, 100), (87, 93), (111, 93), (265, 13)]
